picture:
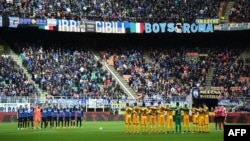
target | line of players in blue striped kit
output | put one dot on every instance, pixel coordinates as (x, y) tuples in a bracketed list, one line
[(50, 116)]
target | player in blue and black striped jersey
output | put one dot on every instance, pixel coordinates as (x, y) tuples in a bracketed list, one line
[(44, 112), (60, 116), (73, 117), (20, 117), (79, 116), (55, 117), (67, 113), (25, 116), (31, 116), (49, 116)]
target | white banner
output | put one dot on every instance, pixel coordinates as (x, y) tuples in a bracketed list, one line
[(95, 103), (233, 26), (51, 22), (70, 26), (11, 107)]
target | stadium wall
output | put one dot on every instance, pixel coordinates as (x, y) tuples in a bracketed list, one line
[(106, 116)]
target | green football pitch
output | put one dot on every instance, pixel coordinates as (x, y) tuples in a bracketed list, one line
[(112, 131)]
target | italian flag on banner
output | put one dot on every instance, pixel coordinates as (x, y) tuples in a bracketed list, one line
[(46, 27), (136, 27)]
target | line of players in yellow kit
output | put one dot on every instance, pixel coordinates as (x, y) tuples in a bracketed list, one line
[(161, 119)]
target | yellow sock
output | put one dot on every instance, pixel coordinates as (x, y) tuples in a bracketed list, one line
[(126, 128)]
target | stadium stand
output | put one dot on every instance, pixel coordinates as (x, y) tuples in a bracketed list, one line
[(13, 81), (128, 10), (67, 69), (240, 11)]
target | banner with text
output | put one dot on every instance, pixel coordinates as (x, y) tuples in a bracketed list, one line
[(70, 26), (228, 102), (122, 27), (233, 26), (130, 27), (207, 21), (11, 107), (205, 94)]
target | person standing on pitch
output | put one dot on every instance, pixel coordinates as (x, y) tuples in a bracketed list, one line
[(31, 116), (37, 117), (201, 119), (136, 112), (55, 117), (161, 118), (170, 120), (73, 117), (186, 122), (143, 113), (61, 116), (216, 117), (79, 117), (127, 115), (49, 116), (25, 116), (195, 118), (178, 118), (44, 117), (20, 115), (67, 116), (206, 118), (152, 118)]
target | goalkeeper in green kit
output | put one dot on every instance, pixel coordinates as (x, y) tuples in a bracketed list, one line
[(177, 119)]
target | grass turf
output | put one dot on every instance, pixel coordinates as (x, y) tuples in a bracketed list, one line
[(112, 131)]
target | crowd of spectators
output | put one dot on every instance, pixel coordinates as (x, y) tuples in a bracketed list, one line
[(168, 73), (231, 72), (127, 10), (13, 81), (67, 69), (240, 11)]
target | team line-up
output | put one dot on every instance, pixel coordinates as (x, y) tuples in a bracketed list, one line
[(163, 119), (38, 117)]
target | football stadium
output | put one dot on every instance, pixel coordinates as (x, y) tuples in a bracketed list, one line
[(124, 70)]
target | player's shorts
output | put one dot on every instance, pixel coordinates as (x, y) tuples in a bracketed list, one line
[(216, 119), (20, 119), (25, 119), (30, 118), (128, 120), (60, 118), (66, 118), (79, 118), (222, 118), (38, 119), (144, 120), (136, 119), (195, 119), (152, 120), (44, 118), (206, 119), (49, 118), (54, 118), (72, 118), (161, 119)]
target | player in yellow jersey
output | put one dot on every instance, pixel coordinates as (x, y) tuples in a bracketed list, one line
[(186, 121), (195, 118), (201, 119), (144, 118), (136, 112), (152, 118), (161, 118), (170, 120), (206, 118), (128, 123)]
